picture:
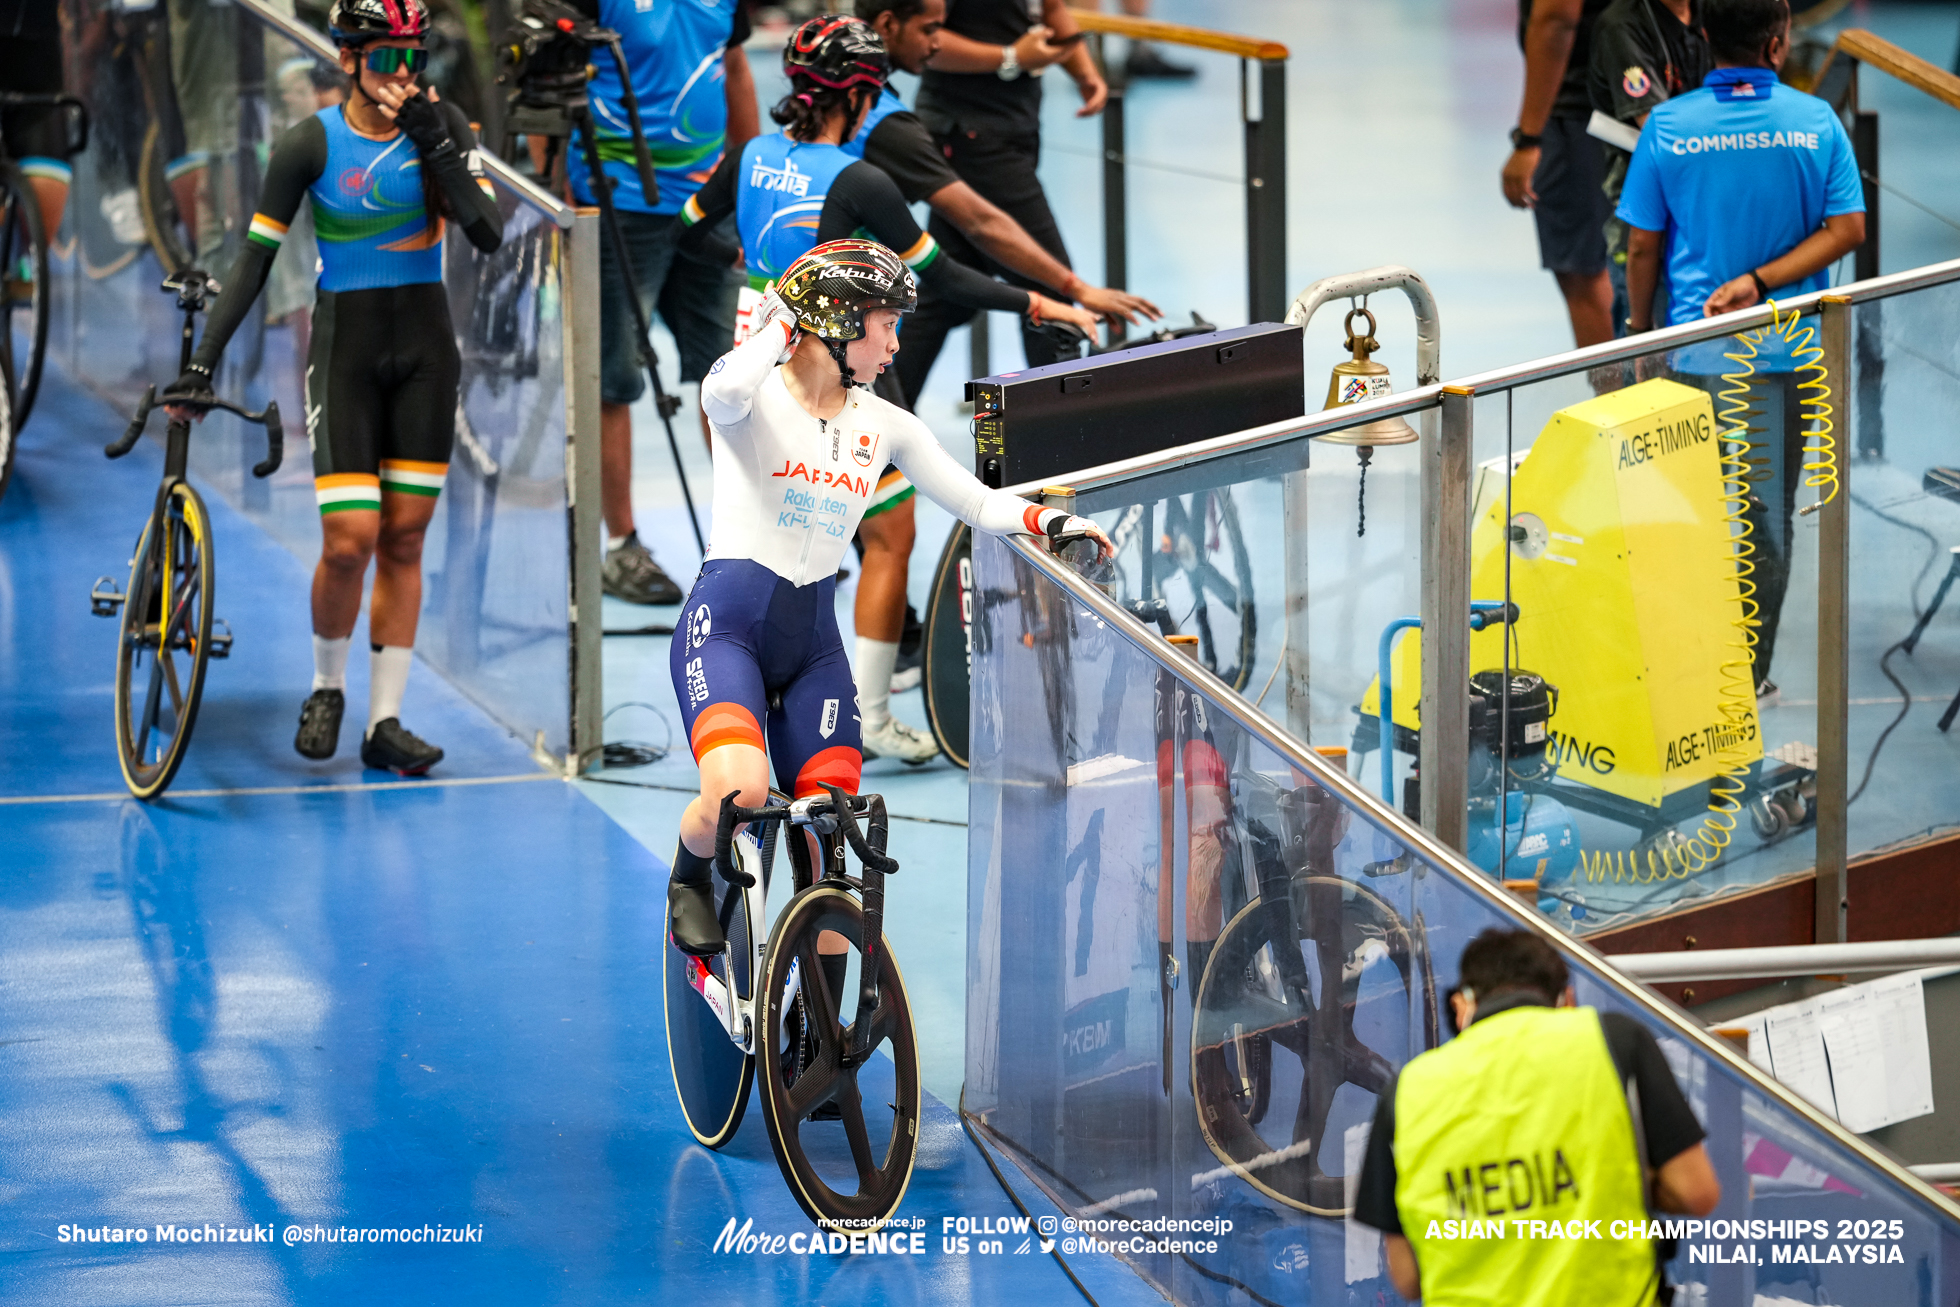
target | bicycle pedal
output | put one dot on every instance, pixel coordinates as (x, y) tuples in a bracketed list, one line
[(221, 640), (104, 599)]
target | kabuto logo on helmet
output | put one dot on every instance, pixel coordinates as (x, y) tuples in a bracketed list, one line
[(356, 22)]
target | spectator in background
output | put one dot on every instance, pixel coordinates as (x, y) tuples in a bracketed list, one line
[(895, 141), (1143, 60), (1585, 1096), (981, 100), (1555, 168), (1643, 53), (697, 99), (1748, 188)]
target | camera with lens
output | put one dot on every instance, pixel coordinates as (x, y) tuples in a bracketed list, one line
[(545, 65)]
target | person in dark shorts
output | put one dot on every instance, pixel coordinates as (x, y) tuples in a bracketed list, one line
[(981, 99), (1555, 168), (1587, 1095), (895, 141), (384, 171), (1644, 52), (697, 100), (36, 136)]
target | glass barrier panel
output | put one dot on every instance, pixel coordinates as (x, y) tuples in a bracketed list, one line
[(1904, 487), (1194, 968), (1286, 562), (184, 111)]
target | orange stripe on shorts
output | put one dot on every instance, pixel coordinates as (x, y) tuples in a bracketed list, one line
[(723, 723), (839, 765)]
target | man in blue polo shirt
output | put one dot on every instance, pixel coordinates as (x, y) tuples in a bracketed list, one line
[(697, 98), (1751, 188)]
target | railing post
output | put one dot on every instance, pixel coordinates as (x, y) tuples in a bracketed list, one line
[(1295, 557), (1864, 149), (1833, 646), (1265, 187), (581, 299), (1116, 212), (1446, 622)]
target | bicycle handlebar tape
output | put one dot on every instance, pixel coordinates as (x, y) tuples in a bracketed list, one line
[(731, 817), (275, 442), (134, 432), (873, 859)]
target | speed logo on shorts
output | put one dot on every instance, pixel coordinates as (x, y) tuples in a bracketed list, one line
[(864, 447), (1635, 82), (699, 624)]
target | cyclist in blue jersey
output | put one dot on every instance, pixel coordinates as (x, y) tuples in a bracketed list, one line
[(799, 437), (697, 98), (792, 189), (383, 171)]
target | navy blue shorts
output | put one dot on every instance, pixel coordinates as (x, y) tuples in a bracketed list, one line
[(752, 649)]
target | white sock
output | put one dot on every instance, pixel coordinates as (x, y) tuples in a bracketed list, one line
[(875, 661), (387, 679), (330, 662), (614, 542)]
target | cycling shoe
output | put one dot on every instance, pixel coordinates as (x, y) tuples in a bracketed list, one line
[(692, 921)]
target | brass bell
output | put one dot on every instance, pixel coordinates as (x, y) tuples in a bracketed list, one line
[(1352, 381), (1360, 378)]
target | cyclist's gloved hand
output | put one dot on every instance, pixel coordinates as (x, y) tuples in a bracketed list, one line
[(425, 124), (195, 383), (769, 310), (1071, 538)]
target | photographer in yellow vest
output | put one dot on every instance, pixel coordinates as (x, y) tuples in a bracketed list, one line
[(1518, 1163)]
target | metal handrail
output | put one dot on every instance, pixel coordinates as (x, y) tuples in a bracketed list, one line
[(1865, 47), (527, 191), (1419, 398), (1789, 960), (1195, 38), (1467, 877)]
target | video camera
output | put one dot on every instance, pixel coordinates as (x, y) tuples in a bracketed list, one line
[(545, 61)]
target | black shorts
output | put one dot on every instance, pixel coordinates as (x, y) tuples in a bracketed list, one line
[(36, 135), (695, 300), (381, 382), (1572, 205)]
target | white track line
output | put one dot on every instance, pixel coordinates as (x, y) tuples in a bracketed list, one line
[(438, 782)]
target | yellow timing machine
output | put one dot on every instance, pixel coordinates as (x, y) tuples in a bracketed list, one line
[(1629, 565)]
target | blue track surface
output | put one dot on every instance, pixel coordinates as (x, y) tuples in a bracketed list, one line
[(350, 1001)]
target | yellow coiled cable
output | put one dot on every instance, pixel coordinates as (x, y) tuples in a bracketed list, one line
[(1737, 707)]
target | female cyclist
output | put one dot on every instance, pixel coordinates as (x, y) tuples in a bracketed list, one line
[(799, 439), (383, 171), (799, 187)]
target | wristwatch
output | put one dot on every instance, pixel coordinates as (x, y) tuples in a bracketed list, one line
[(1010, 64), (1762, 287), (1521, 141)]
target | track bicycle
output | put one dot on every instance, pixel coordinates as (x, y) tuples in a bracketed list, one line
[(772, 1010), (24, 263), (165, 639)]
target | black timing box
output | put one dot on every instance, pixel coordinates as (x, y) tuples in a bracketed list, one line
[(1040, 424)]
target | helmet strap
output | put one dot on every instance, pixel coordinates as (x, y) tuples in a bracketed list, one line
[(837, 348)]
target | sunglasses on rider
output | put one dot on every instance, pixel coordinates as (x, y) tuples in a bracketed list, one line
[(388, 59)]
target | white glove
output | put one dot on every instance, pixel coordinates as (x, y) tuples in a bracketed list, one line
[(1065, 531), (769, 310)]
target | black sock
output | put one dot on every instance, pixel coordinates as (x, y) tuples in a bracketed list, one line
[(691, 868), (834, 966)]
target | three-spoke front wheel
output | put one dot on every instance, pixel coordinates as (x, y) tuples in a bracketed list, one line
[(849, 1173), (164, 642)]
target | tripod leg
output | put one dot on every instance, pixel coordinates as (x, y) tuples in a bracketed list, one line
[(664, 404), (1952, 710), (1939, 597)]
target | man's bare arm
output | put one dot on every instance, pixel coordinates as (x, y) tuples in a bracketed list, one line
[(1008, 243)]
